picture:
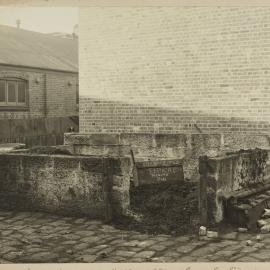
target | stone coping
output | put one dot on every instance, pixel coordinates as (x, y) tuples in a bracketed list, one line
[(159, 163)]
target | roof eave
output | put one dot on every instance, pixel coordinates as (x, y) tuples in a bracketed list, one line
[(40, 68)]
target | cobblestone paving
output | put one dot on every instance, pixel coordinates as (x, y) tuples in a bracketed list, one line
[(38, 237)]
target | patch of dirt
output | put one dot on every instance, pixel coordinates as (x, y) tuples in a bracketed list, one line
[(163, 208)]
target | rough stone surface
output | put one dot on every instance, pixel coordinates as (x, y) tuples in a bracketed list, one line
[(65, 184)]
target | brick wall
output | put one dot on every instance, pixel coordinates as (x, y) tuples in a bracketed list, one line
[(51, 93), (175, 69)]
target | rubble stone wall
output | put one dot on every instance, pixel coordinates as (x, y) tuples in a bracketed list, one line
[(147, 146), (223, 176), (74, 185)]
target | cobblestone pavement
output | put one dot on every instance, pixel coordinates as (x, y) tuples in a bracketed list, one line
[(38, 237)]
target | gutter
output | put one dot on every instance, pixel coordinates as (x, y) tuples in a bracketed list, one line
[(40, 68)]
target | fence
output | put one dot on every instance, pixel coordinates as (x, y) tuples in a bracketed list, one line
[(37, 131)]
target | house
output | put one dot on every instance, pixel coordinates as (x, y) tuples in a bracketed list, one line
[(38, 86), (38, 74)]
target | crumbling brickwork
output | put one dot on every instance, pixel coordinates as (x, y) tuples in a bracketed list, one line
[(174, 69)]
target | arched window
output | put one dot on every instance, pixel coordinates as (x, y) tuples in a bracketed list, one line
[(13, 92)]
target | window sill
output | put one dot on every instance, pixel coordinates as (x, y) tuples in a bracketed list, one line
[(14, 108)]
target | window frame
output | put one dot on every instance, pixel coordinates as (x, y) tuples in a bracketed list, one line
[(14, 105)]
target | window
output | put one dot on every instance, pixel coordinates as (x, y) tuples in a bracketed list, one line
[(13, 92)]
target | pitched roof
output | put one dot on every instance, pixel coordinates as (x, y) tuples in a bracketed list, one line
[(33, 49)]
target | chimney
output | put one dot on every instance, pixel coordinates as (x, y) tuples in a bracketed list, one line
[(18, 22), (75, 31)]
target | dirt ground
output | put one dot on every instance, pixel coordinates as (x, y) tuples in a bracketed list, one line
[(168, 208)]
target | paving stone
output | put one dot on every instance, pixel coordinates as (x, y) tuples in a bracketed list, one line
[(259, 245), (124, 253), (81, 246), (162, 259), (203, 251), (34, 249), (182, 239), (79, 221), (226, 253), (232, 247), (158, 247), (3, 261), (64, 260), (40, 257), (185, 249), (168, 243), (13, 242), (87, 258), (13, 255), (147, 243), (6, 249), (247, 259), (134, 243), (6, 233), (118, 242), (70, 242), (186, 259), (91, 239), (263, 255), (145, 254), (71, 237), (85, 233)]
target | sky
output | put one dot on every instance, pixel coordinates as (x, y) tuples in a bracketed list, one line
[(41, 19)]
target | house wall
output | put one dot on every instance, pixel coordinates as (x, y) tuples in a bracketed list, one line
[(175, 70), (50, 94)]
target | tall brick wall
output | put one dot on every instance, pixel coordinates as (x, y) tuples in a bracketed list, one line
[(175, 69), (51, 93)]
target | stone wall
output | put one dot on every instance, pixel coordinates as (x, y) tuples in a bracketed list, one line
[(225, 176), (188, 147), (73, 185)]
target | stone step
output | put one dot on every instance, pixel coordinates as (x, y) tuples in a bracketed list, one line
[(247, 211)]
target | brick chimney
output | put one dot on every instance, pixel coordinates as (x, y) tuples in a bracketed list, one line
[(75, 31)]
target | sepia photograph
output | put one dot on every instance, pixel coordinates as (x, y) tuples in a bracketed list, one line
[(134, 134)]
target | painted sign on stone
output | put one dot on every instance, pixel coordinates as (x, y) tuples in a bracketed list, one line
[(150, 172)]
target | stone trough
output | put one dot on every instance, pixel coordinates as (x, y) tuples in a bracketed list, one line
[(93, 186), (235, 188)]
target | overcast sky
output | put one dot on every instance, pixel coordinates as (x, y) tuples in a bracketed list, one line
[(45, 20)]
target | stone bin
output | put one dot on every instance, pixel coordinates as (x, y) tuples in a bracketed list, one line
[(91, 186), (226, 176), (155, 147)]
